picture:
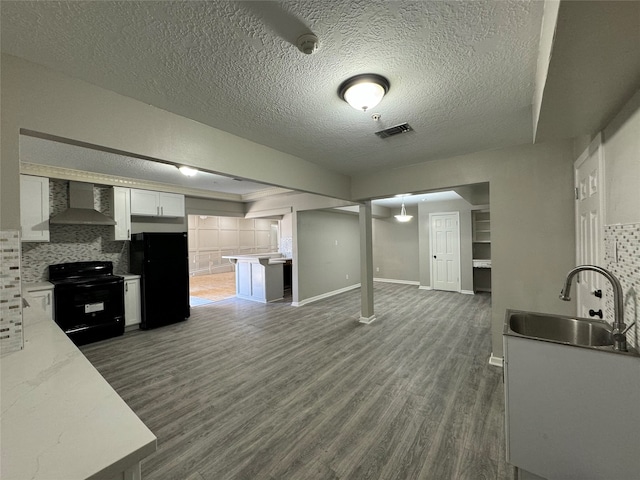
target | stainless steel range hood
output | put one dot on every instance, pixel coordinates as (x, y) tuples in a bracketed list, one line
[(81, 211)]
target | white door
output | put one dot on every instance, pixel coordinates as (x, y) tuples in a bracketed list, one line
[(445, 251), (589, 227)]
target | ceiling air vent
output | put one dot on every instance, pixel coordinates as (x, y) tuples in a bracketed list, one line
[(391, 131)]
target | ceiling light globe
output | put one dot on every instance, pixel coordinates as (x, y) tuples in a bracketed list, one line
[(363, 96), (364, 91)]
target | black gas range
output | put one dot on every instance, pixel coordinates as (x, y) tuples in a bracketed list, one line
[(89, 300)]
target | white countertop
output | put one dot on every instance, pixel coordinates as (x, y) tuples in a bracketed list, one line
[(481, 263), (60, 419), (262, 258)]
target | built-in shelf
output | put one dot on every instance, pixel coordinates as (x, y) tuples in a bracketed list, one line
[(481, 237)]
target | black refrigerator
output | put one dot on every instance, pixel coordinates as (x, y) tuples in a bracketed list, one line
[(162, 259)]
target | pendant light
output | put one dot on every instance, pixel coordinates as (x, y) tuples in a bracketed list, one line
[(364, 91), (403, 217)]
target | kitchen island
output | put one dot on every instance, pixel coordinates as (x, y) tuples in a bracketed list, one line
[(259, 277), (60, 418)]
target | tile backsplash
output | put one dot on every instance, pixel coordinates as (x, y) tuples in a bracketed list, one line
[(11, 333), (622, 258), (73, 243)]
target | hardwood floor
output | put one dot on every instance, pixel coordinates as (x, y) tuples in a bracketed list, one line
[(244, 390), (214, 287)]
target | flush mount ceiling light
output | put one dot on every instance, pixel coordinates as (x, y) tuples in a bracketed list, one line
[(364, 91), (187, 171)]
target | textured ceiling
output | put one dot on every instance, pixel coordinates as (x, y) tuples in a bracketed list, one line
[(461, 72)]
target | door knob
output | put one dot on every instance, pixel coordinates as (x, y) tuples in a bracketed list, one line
[(434, 256), (593, 313), (598, 293)]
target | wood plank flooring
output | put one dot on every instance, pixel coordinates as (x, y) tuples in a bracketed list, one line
[(244, 390), (214, 287)]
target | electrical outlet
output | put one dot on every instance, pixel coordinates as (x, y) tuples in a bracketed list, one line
[(347, 276), (377, 269), (336, 243)]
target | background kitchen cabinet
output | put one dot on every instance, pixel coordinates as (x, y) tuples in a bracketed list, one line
[(132, 315), (156, 204), (121, 210), (34, 208), (171, 204), (42, 293), (481, 226), (481, 250)]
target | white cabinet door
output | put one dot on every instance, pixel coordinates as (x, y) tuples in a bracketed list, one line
[(132, 315), (121, 206), (148, 203), (171, 204), (34, 208), (144, 203)]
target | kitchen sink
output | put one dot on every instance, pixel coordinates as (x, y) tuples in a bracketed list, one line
[(558, 328)]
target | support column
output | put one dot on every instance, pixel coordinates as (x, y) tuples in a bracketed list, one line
[(366, 264)]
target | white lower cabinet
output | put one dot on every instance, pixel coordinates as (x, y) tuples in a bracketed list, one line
[(132, 312), (571, 412), (42, 294)]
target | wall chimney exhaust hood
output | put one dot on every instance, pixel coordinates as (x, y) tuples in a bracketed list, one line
[(81, 211)]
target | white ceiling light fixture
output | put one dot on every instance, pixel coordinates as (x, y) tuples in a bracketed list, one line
[(364, 91), (187, 171), (403, 217)]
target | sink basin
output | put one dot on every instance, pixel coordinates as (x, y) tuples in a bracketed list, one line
[(557, 328)]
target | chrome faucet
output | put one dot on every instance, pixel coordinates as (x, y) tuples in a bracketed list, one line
[(618, 331)]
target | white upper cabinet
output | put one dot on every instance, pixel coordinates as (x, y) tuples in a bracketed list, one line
[(121, 210), (148, 203), (34, 208), (171, 204)]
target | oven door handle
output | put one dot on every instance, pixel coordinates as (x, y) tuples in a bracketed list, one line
[(94, 285)]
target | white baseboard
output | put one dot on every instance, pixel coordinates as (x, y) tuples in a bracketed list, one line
[(467, 292), (424, 287), (366, 320), (496, 361), (324, 295), (392, 280)]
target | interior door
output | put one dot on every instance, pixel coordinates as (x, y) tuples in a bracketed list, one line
[(589, 184), (445, 251)]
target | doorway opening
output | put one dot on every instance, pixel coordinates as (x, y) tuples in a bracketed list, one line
[(211, 238)]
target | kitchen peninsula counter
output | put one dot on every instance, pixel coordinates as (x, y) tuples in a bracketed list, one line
[(60, 418), (259, 277)]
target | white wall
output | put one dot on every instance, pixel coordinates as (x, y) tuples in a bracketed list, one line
[(395, 248), (328, 250), (621, 140)]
